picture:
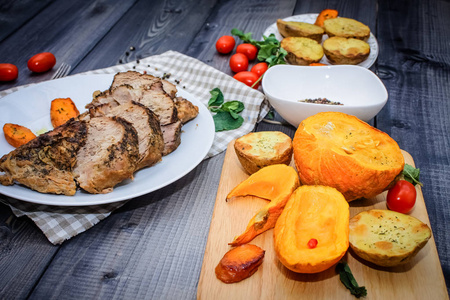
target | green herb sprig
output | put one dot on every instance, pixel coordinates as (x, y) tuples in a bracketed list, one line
[(270, 50), (412, 175), (347, 278), (227, 113)]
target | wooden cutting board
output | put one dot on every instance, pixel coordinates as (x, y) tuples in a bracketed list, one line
[(420, 279)]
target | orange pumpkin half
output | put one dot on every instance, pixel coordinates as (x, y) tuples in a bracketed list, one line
[(317, 213), (341, 151)]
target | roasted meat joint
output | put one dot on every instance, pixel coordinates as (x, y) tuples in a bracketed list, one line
[(130, 126)]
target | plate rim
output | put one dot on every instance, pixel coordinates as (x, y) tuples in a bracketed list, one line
[(100, 199), (374, 48)]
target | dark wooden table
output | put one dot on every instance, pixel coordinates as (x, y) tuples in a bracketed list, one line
[(152, 247)]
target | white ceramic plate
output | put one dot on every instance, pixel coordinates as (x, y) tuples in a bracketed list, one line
[(30, 107), (311, 18)]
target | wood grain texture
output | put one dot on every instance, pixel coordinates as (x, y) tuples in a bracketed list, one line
[(420, 279), (414, 65), (172, 25), (68, 29), (24, 255), (14, 14)]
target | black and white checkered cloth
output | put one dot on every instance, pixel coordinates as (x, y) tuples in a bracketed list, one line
[(197, 78)]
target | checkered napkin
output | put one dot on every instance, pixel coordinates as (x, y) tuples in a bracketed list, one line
[(61, 223)]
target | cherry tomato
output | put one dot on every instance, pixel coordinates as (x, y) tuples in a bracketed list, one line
[(8, 72), (248, 50), (247, 77), (225, 44), (402, 197), (41, 62), (260, 68), (238, 62)]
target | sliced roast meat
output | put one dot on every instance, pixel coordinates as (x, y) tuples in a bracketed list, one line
[(186, 111), (151, 143), (144, 81), (45, 163), (155, 98), (133, 78), (109, 155), (172, 136), (120, 94), (160, 103)]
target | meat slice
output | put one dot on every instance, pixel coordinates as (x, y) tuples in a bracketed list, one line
[(120, 94), (155, 98), (109, 155), (45, 163), (172, 136), (145, 81), (160, 103), (151, 143), (186, 111)]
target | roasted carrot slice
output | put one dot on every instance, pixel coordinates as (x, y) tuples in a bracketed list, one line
[(317, 64), (17, 135), (62, 110), (325, 15), (239, 263)]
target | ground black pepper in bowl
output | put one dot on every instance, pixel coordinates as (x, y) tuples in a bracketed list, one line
[(321, 101)]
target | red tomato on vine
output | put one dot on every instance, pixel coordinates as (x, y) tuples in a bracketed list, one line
[(238, 62), (260, 68), (402, 197), (225, 44), (247, 77), (248, 50)]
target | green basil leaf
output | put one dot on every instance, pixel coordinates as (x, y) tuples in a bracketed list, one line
[(235, 106), (267, 51), (245, 37), (347, 278), (216, 97), (412, 174), (224, 121)]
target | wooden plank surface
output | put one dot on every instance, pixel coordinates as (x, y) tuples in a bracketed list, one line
[(414, 65), (420, 279)]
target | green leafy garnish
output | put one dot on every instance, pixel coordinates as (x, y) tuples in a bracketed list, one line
[(269, 51), (412, 174), (216, 98), (245, 37), (227, 113), (347, 278)]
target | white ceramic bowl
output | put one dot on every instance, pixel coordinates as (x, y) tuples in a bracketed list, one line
[(359, 90)]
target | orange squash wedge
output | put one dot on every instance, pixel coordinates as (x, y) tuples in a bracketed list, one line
[(275, 183), (312, 233)]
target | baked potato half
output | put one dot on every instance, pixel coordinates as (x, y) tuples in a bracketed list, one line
[(257, 150), (345, 51), (387, 238), (302, 51), (300, 29)]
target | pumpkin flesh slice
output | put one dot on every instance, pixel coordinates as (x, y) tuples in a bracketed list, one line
[(274, 183), (312, 212)]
